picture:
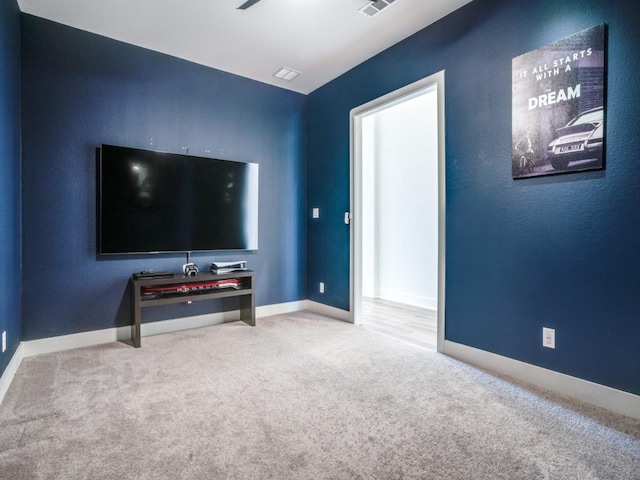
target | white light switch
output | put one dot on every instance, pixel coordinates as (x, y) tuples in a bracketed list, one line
[(548, 337), (316, 213)]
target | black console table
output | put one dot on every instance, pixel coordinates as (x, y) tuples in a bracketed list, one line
[(181, 289)]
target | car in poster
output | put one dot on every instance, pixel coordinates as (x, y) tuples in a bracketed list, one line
[(580, 139)]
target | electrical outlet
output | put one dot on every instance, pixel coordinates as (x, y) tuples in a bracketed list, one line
[(321, 287), (316, 213), (548, 337), (4, 341)]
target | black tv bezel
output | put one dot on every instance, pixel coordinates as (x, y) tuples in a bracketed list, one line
[(101, 253)]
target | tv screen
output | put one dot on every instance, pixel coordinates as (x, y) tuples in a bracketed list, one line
[(152, 202)]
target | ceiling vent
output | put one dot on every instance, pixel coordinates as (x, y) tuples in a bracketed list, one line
[(373, 8), (287, 74)]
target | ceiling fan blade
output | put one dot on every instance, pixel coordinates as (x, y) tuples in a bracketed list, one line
[(247, 4)]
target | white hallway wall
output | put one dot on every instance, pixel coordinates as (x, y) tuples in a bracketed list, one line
[(400, 202)]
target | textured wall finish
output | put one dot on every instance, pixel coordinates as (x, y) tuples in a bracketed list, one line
[(558, 252), (10, 256), (81, 90)]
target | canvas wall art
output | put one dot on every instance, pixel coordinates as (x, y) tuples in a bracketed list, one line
[(558, 122)]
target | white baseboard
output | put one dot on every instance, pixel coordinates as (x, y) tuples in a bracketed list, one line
[(407, 299), (609, 398), (10, 371), (329, 311), (207, 320), (280, 308), (98, 337), (75, 340), (185, 323)]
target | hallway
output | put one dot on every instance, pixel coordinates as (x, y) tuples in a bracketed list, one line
[(404, 322)]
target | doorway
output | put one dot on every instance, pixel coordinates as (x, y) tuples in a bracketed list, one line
[(397, 227)]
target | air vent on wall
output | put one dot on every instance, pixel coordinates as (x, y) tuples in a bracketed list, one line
[(373, 8)]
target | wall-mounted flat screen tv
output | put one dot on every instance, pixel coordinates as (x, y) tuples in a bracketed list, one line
[(153, 202)]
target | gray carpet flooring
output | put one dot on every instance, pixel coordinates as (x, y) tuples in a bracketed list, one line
[(299, 396)]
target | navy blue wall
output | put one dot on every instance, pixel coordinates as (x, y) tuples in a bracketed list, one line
[(558, 251), (10, 256), (81, 90)]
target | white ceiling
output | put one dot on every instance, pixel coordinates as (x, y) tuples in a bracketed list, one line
[(322, 39)]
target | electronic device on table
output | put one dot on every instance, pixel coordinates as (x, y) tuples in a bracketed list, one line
[(144, 275), (227, 267), (158, 291)]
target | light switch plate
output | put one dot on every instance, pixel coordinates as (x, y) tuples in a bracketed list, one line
[(548, 337)]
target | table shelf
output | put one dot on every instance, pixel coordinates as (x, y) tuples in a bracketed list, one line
[(245, 294)]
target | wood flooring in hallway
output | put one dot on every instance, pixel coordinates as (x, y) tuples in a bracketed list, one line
[(405, 322)]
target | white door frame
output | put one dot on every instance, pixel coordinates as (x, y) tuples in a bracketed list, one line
[(435, 81)]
